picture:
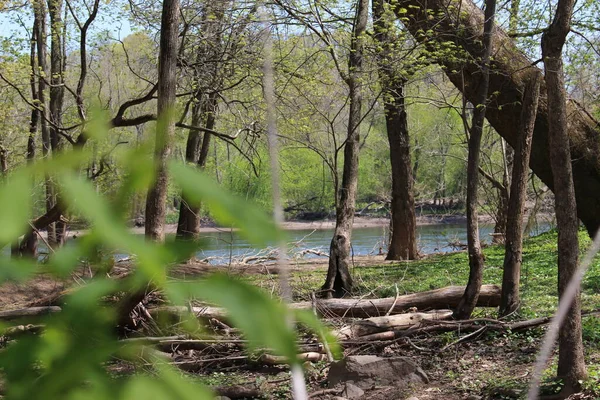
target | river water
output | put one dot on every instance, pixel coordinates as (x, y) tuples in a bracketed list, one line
[(220, 247)]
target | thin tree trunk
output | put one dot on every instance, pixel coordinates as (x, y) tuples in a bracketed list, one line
[(167, 81), (571, 364), (42, 72), (469, 300), (518, 193), (188, 225), (403, 225), (339, 280), (28, 245), (56, 94), (204, 110)]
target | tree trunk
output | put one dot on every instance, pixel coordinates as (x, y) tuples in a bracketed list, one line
[(469, 300), (339, 281), (571, 364), (188, 225), (518, 193), (508, 66), (28, 245), (501, 213), (56, 95), (42, 72), (167, 81), (403, 225)]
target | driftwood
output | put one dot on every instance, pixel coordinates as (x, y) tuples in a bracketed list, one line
[(9, 315), (394, 322), (466, 326), (447, 297)]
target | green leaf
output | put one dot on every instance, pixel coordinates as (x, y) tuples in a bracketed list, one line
[(15, 198), (167, 386), (110, 229), (228, 209), (263, 321), (311, 321)]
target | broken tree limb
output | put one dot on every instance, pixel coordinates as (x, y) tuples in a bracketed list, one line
[(9, 315), (394, 322), (443, 298), (459, 22)]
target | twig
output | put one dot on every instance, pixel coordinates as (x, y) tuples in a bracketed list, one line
[(463, 339), (387, 314)]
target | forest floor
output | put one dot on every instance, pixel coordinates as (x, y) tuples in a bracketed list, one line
[(493, 365)]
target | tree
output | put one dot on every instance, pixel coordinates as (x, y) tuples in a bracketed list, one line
[(469, 299), (339, 280), (514, 225), (506, 84), (571, 364), (167, 83), (403, 243)]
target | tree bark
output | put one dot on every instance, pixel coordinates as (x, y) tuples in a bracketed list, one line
[(506, 82), (403, 224), (28, 245), (518, 193), (339, 280), (56, 95), (188, 225), (469, 300), (167, 82), (571, 364), (39, 8)]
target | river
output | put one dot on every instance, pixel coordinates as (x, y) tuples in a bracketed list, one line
[(220, 247)]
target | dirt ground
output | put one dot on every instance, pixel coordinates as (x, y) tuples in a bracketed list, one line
[(493, 366)]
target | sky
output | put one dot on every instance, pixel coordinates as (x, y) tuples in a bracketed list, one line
[(12, 25)]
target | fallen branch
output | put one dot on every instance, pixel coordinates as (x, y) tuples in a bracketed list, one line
[(444, 298), (238, 391), (27, 312), (466, 326)]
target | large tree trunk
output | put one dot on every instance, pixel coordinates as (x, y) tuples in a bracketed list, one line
[(469, 300), (167, 82), (506, 82), (403, 227), (571, 364), (339, 280), (518, 193)]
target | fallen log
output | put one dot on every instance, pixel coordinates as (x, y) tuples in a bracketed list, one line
[(394, 322), (9, 315), (443, 298), (460, 23)]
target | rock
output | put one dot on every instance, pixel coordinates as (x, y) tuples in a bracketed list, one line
[(413, 398), (368, 371), (338, 398), (351, 391)]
